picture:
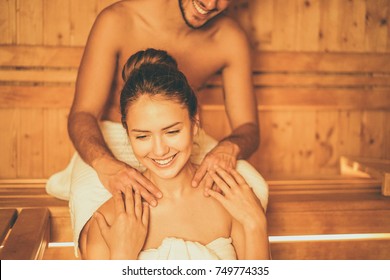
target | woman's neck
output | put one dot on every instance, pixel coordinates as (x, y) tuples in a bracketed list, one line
[(173, 187)]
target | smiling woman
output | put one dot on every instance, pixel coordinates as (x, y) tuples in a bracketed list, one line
[(159, 113)]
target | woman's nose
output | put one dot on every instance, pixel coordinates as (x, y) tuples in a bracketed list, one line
[(160, 148)]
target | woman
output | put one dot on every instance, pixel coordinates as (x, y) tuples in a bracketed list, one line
[(159, 113)]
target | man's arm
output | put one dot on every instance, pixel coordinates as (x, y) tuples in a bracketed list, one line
[(240, 105), (240, 101), (96, 76)]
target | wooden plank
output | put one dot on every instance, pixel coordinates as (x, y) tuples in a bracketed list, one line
[(303, 150), (212, 99), (39, 76), (277, 133), (284, 31), (40, 56), (298, 202), (301, 98), (29, 236), (29, 22), (372, 134), (313, 79), (9, 122), (261, 14), (36, 96), (338, 62), (352, 26), (328, 222), (331, 14), (268, 61), (326, 153), (61, 227), (29, 143), (8, 22), (82, 16), (377, 26), (56, 27), (26, 202), (350, 132), (365, 249), (57, 147), (308, 25), (7, 219), (377, 168)]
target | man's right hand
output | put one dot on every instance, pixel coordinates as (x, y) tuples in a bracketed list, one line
[(116, 176)]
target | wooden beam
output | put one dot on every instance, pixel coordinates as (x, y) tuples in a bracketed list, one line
[(40, 56), (338, 62), (7, 219), (313, 80), (36, 96), (365, 249), (304, 98), (29, 236), (377, 168)]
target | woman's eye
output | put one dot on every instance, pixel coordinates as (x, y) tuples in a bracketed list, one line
[(141, 137), (174, 131)]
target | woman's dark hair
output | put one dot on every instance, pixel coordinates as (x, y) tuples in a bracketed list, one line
[(155, 73)]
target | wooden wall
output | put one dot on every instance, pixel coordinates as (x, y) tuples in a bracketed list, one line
[(277, 25), (296, 140)]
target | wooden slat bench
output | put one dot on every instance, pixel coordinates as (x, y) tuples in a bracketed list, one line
[(299, 210), (337, 218), (28, 236), (377, 168)]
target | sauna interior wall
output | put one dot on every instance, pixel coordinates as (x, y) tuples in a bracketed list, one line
[(304, 141)]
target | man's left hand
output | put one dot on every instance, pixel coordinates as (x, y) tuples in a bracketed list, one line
[(224, 155)]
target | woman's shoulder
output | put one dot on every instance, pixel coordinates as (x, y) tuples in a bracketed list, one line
[(107, 209)]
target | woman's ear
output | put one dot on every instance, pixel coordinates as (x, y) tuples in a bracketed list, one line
[(195, 125)]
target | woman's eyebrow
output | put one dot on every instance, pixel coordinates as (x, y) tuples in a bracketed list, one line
[(172, 125), (165, 128)]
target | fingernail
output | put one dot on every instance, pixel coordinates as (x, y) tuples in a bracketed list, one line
[(193, 183), (159, 195), (154, 203)]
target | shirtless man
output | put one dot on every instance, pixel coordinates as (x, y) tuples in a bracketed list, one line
[(202, 41)]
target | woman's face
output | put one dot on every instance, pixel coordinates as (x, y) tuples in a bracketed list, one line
[(161, 134)]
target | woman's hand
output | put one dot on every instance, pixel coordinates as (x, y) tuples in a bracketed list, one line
[(250, 237), (116, 176), (127, 234), (238, 198)]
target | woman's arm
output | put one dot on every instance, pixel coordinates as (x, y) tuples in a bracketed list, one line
[(125, 236), (249, 227)]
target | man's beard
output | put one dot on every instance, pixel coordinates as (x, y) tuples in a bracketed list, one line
[(184, 17)]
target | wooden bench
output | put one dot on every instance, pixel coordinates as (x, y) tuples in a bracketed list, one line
[(342, 217), (377, 168), (25, 235), (338, 98)]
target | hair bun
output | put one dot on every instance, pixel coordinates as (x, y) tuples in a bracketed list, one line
[(147, 57)]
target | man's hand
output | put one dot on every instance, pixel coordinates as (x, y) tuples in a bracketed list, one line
[(116, 176), (223, 155)]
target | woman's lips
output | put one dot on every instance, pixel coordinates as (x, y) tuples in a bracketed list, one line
[(164, 162)]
